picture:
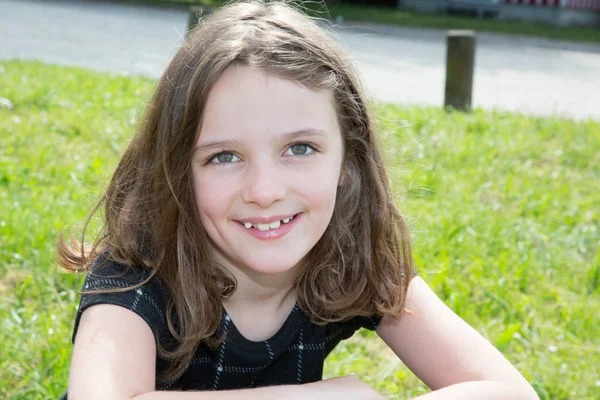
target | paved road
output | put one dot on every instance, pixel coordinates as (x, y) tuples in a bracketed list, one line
[(401, 65)]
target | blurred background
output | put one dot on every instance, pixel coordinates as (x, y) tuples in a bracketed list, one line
[(501, 198)]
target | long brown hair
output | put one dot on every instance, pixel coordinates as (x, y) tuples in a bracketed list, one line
[(361, 266)]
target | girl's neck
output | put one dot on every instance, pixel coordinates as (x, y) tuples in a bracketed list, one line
[(258, 320), (269, 290), (259, 307), (254, 287)]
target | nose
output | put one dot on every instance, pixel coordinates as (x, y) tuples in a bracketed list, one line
[(265, 185)]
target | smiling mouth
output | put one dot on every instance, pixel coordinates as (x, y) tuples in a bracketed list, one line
[(268, 227)]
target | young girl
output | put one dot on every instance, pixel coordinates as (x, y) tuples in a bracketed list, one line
[(249, 228)]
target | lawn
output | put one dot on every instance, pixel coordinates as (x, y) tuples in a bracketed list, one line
[(413, 19), (503, 210)]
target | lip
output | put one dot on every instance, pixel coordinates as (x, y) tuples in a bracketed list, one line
[(272, 234)]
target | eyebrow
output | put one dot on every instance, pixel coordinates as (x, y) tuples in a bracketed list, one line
[(285, 137)]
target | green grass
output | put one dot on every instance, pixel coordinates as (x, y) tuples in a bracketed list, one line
[(503, 209), (435, 21)]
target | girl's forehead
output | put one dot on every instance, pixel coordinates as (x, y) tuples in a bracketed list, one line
[(248, 102)]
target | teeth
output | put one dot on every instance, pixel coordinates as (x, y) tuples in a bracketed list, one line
[(274, 225), (266, 227), (262, 227)]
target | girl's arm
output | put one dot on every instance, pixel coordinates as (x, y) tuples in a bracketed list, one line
[(347, 388), (448, 355), (114, 357)]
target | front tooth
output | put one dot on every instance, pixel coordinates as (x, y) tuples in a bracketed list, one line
[(262, 227), (286, 220), (275, 225), (248, 225)]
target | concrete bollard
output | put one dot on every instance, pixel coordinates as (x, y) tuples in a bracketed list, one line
[(460, 65), (195, 13)]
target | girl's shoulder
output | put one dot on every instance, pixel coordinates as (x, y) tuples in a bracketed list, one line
[(107, 274), (109, 282)]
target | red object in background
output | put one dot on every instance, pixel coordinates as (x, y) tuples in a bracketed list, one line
[(584, 4), (576, 4)]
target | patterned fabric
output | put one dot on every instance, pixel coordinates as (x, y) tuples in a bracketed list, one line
[(294, 355)]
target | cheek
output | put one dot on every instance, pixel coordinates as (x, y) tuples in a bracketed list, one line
[(211, 197), (319, 187)]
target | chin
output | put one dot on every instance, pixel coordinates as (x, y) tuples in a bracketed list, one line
[(272, 265)]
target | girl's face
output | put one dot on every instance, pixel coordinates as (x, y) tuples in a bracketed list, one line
[(268, 150)]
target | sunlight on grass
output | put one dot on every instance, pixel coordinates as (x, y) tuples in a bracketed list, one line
[(503, 210)]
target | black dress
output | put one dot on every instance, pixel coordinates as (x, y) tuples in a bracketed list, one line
[(294, 355)]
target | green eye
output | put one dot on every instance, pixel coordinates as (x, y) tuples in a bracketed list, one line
[(224, 158), (299, 149)]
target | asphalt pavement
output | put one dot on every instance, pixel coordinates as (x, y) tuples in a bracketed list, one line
[(399, 65)]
